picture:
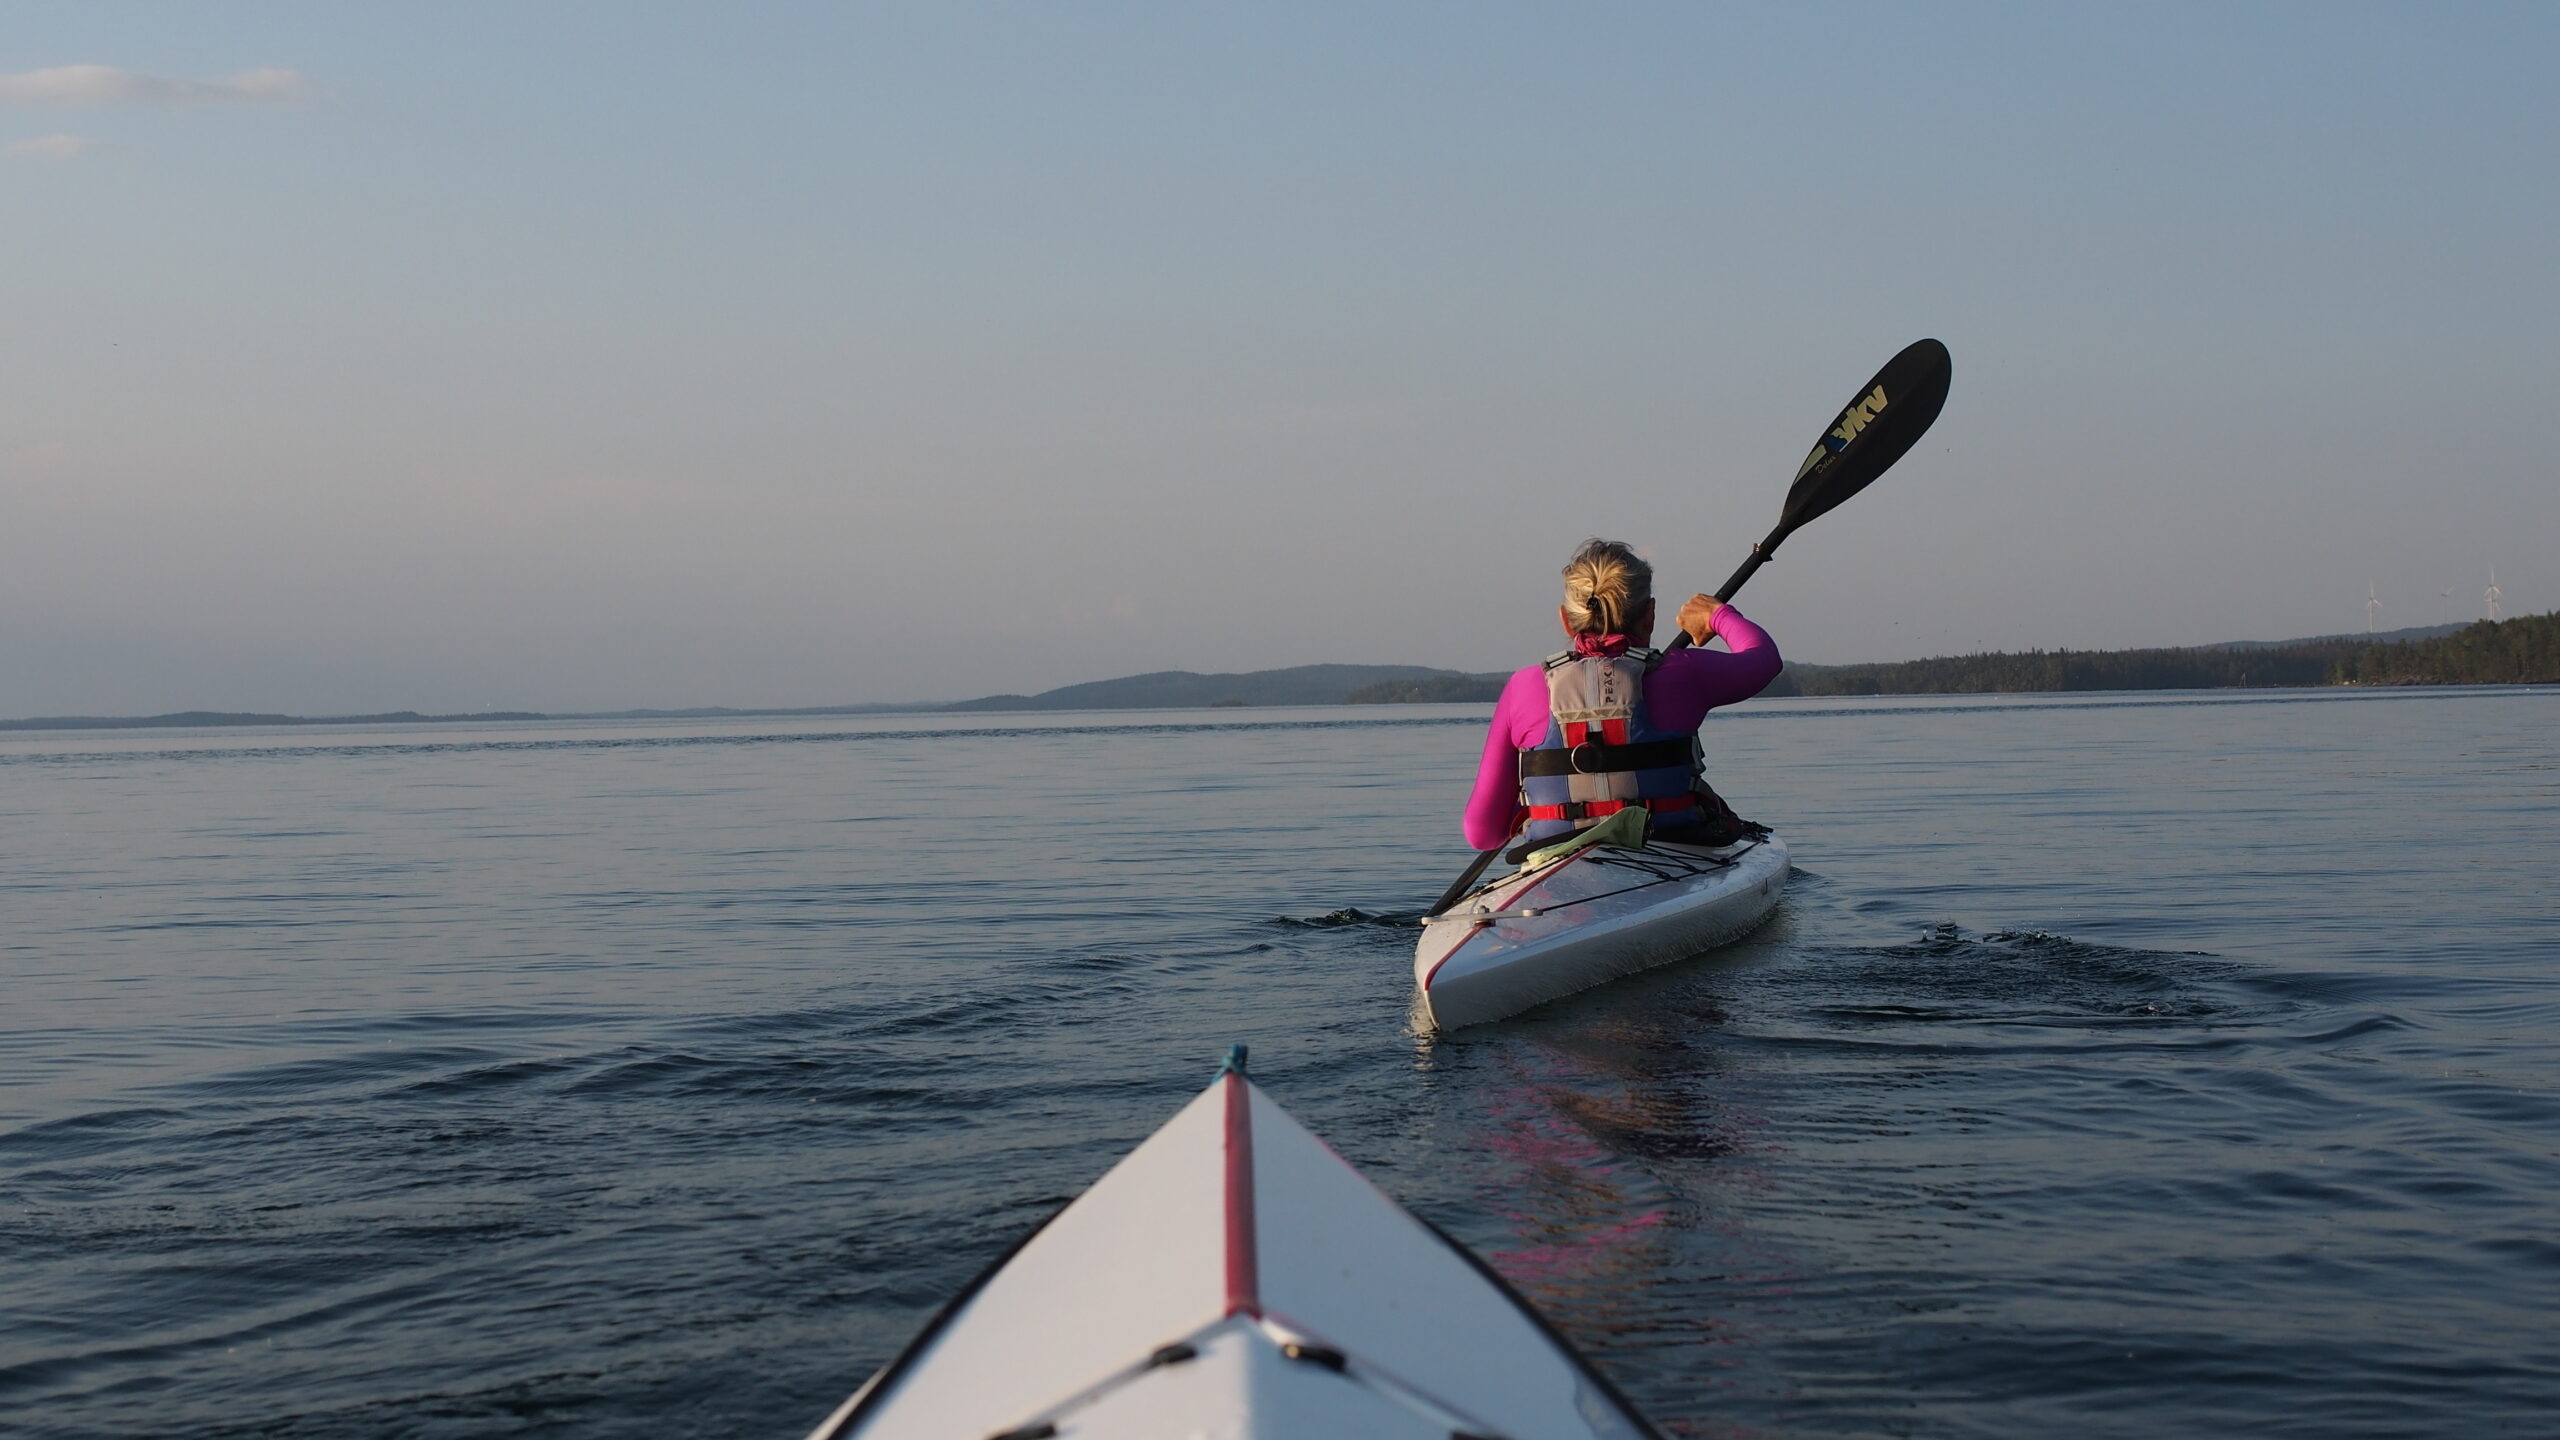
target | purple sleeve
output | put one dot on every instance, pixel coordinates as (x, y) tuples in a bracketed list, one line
[(1519, 722), (1689, 683)]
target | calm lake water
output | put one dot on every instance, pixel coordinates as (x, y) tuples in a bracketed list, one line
[(2164, 1064)]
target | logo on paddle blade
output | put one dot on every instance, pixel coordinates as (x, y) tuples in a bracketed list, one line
[(1853, 420)]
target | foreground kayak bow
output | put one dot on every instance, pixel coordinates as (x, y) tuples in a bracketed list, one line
[(1233, 1277)]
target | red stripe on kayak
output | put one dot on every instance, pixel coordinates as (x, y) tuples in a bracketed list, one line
[(1505, 903), (1244, 1278), (1429, 974)]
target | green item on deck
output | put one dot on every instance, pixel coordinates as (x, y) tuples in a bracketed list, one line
[(1624, 830)]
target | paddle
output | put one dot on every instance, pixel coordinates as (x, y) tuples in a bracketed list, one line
[(1887, 417)]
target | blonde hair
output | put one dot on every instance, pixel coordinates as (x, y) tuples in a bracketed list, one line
[(1605, 586)]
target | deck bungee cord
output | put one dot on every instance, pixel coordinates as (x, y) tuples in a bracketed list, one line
[(1668, 867)]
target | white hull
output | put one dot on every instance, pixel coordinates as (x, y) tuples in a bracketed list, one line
[(1598, 914), (1233, 1277)]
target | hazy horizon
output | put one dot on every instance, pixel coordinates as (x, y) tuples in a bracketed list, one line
[(2384, 636), (580, 359)]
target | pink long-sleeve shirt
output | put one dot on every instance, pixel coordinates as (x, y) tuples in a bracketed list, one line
[(1677, 696)]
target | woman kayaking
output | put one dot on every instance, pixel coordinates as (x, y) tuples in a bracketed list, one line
[(1610, 723)]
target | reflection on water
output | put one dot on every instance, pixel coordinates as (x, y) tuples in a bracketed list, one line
[(2120, 1066)]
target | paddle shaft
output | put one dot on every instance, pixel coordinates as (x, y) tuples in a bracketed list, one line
[(1760, 555), (1458, 891)]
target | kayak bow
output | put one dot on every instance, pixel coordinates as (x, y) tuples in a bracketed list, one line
[(1234, 1277)]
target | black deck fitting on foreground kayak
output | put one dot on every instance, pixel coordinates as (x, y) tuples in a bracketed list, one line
[(1234, 1063), (1324, 1355)]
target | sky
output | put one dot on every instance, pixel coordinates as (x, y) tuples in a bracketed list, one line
[(451, 357)]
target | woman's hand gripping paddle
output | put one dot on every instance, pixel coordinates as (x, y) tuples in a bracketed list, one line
[(1878, 427)]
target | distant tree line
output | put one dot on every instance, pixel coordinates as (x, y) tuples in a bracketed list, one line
[(2043, 670), (211, 719), (1431, 690), (2522, 651), (2525, 650)]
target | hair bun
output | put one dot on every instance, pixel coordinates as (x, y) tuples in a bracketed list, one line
[(1605, 584)]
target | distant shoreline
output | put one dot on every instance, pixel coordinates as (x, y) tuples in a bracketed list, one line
[(2525, 650), (218, 719)]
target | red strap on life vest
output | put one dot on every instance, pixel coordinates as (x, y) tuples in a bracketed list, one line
[(1612, 732), (1576, 810), (1595, 809)]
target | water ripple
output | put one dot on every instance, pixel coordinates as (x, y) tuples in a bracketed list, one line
[(493, 1083)]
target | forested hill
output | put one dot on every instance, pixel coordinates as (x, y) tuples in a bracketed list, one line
[(2038, 670), (2524, 650), (1162, 689)]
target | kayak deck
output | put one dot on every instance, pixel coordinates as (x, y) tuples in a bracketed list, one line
[(1543, 933), (1234, 1277)]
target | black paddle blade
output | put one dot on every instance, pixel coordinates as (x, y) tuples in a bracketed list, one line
[(1886, 419)]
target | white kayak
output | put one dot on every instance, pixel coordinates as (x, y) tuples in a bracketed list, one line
[(1233, 1277), (1551, 929)]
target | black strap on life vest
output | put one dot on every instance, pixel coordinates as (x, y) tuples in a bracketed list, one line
[(1720, 826), (1652, 659), (1598, 759)]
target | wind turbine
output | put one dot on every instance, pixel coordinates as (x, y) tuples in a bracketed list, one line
[(2491, 599), (2372, 603)]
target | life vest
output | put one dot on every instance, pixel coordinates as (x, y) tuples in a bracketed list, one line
[(1602, 754)]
